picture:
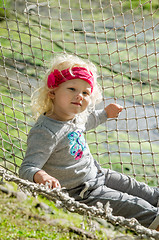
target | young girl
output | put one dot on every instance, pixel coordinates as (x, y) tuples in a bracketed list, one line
[(58, 154)]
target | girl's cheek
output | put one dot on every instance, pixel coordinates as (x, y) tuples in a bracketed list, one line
[(88, 98)]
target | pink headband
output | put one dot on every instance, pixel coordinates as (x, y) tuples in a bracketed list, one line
[(56, 77)]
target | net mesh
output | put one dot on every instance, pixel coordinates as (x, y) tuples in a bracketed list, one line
[(121, 38)]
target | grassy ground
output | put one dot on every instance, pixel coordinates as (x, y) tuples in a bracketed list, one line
[(22, 219)]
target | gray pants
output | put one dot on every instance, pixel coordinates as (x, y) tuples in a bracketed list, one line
[(127, 197)]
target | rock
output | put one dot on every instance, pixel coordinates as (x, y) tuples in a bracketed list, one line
[(21, 196), (123, 237), (44, 207), (82, 232), (8, 189)]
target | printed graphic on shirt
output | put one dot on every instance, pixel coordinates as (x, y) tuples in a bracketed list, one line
[(77, 143)]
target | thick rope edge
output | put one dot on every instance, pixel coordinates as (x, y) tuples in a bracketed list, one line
[(62, 199)]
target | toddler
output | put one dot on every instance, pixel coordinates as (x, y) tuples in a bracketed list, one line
[(58, 154)]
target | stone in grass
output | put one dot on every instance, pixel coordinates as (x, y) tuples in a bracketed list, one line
[(44, 207)]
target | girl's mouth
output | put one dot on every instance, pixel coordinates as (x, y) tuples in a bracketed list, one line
[(76, 103)]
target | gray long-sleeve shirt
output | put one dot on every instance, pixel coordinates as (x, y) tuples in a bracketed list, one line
[(59, 148)]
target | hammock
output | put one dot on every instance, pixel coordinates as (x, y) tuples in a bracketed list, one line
[(121, 38)]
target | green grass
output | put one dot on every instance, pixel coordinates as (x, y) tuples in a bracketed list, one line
[(22, 220), (19, 222), (136, 5)]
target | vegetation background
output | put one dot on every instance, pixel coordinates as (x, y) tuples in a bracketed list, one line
[(25, 54)]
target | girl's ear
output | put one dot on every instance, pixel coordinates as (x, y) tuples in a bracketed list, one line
[(51, 94)]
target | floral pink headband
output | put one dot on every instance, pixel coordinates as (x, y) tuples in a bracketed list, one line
[(57, 77)]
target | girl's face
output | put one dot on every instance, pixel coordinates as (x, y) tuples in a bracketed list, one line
[(70, 98)]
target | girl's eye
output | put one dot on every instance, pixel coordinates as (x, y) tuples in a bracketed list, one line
[(72, 89), (86, 93)]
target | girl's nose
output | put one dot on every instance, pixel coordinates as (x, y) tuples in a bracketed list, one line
[(79, 96)]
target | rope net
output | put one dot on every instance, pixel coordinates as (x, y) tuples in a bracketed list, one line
[(121, 38)]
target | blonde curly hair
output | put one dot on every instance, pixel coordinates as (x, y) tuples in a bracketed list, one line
[(40, 100)]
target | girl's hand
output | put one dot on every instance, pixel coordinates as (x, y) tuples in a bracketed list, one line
[(42, 177), (113, 110)]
